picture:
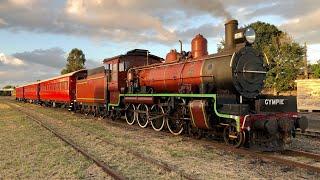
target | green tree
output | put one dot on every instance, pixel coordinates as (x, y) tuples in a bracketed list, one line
[(284, 55), (316, 69), (8, 87), (75, 61), (6, 93), (286, 60), (265, 33)]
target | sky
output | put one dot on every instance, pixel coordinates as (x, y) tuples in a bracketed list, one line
[(36, 35)]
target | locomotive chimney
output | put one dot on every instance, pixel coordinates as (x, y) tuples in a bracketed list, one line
[(230, 29)]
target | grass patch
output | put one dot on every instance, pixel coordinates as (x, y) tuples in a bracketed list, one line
[(31, 152)]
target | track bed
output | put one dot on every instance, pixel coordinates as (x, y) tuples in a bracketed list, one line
[(119, 146)]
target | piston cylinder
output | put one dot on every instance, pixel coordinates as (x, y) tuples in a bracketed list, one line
[(271, 125)]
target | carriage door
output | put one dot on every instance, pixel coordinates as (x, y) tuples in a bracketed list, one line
[(113, 85)]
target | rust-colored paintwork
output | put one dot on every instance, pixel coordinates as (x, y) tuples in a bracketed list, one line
[(198, 114), (92, 89), (118, 77), (172, 56), (139, 100), (31, 91), (199, 46), (60, 89), (19, 93), (172, 77), (177, 75)]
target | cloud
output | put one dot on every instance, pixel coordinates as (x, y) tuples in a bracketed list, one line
[(304, 28), (53, 57), (3, 22), (10, 60), (112, 20), (23, 3), (17, 75), (138, 20), (213, 7), (119, 22), (146, 22), (286, 9), (90, 64), (24, 67)]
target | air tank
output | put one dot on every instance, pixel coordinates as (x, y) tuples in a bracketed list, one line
[(199, 46)]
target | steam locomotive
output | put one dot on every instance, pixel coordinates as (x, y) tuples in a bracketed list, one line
[(187, 92)]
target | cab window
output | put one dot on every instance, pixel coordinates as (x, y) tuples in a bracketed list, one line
[(121, 67)]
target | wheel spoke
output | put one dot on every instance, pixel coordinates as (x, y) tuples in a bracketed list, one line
[(158, 118), (130, 114), (232, 137), (143, 115)]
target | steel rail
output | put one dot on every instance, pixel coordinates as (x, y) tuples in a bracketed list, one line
[(309, 133), (106, 168), (302, 154), (165, 166), (241, 151)]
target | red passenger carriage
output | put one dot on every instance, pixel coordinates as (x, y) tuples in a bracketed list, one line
[(61, 89), (31, 92), (19, 93)]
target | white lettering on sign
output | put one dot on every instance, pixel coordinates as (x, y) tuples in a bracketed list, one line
[(273, 102)]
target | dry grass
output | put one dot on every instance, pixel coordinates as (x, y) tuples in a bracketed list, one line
[(30, 152), (4, 106), (190, 157)]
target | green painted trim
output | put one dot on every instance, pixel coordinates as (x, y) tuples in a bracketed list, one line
[(213, 96)]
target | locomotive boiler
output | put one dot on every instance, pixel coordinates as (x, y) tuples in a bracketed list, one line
[(238, 69)]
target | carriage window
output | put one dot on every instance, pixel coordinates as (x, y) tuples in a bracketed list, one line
[(107, 66), (121, 66), (114, 67), (114, 74)]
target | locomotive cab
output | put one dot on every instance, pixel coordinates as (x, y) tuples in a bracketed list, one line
[(118, 67)]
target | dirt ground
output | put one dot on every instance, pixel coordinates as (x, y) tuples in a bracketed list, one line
[(186, 156)]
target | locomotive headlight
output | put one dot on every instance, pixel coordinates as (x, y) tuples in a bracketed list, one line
[(250, 35)]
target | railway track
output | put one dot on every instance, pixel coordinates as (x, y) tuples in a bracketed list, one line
[(242, 151), (309, 133), (302, 154), (106, 168), (268, 157), (116, 175)]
